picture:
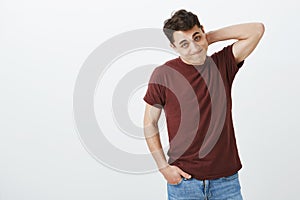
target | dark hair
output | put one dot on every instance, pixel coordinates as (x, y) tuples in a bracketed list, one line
[(181, 20)]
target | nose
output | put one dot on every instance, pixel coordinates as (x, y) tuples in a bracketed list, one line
[(194, 47)]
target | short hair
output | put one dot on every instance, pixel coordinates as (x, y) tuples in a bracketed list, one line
[(181, 20)]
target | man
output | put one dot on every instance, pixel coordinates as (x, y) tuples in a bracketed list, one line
[(195, 92)]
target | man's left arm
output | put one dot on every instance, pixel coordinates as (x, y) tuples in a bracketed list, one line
[(247, 36)]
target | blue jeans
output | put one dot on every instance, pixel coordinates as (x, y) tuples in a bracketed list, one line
[(225, 188)]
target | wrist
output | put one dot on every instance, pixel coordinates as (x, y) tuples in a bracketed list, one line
[(162, 169)]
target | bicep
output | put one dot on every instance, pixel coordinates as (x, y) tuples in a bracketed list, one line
[(152, 114), (244, 47), (151, 118)]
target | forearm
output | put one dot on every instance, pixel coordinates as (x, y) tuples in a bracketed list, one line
[(172, 173), (238, 32), (155, 147)]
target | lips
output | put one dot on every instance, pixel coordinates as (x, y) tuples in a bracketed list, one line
[(197, 52)]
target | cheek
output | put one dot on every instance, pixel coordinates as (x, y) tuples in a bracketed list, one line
[(204, 44), (185, 52)]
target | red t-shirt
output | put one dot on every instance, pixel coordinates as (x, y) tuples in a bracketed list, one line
[(197, 105)]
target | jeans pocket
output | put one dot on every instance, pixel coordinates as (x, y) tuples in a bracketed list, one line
[(177, 183)]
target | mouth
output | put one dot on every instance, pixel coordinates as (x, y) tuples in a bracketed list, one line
[(197, 52)]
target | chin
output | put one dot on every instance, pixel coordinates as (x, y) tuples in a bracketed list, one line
[(198, 62)]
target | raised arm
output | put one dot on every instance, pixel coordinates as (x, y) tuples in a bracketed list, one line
[(247, 36), (171, 173)]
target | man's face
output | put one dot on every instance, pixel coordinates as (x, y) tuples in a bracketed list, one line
[(191, 45)]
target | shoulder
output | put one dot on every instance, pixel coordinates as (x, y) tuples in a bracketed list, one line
[(226, 56), (172, 62), (223, 53), (165, 68)]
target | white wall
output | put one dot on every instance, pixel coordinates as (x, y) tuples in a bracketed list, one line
[(43, 45)]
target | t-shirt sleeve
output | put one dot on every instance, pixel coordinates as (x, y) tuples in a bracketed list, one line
[(155, 94), (226, 63)]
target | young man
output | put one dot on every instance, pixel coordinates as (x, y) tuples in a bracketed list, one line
[(195, 92)]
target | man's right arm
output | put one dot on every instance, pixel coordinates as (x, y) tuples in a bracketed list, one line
[(172, 174), (247, 35)]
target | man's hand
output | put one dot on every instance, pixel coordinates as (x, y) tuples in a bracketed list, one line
[(174, 174)]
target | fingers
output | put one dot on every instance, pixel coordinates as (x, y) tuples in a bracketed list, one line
[(174, 174), (184, 174)]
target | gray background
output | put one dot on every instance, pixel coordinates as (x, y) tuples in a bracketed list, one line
[(42, 47)]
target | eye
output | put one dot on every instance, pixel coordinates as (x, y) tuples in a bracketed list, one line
[(184, 45), (197, 38)]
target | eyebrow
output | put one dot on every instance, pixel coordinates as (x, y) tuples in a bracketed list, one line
[(192, 36)]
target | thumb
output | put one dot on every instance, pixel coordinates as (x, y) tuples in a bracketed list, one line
[(184, 174)]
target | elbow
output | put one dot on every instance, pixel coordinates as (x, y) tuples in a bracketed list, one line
[(260, 27), (150, 129)]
